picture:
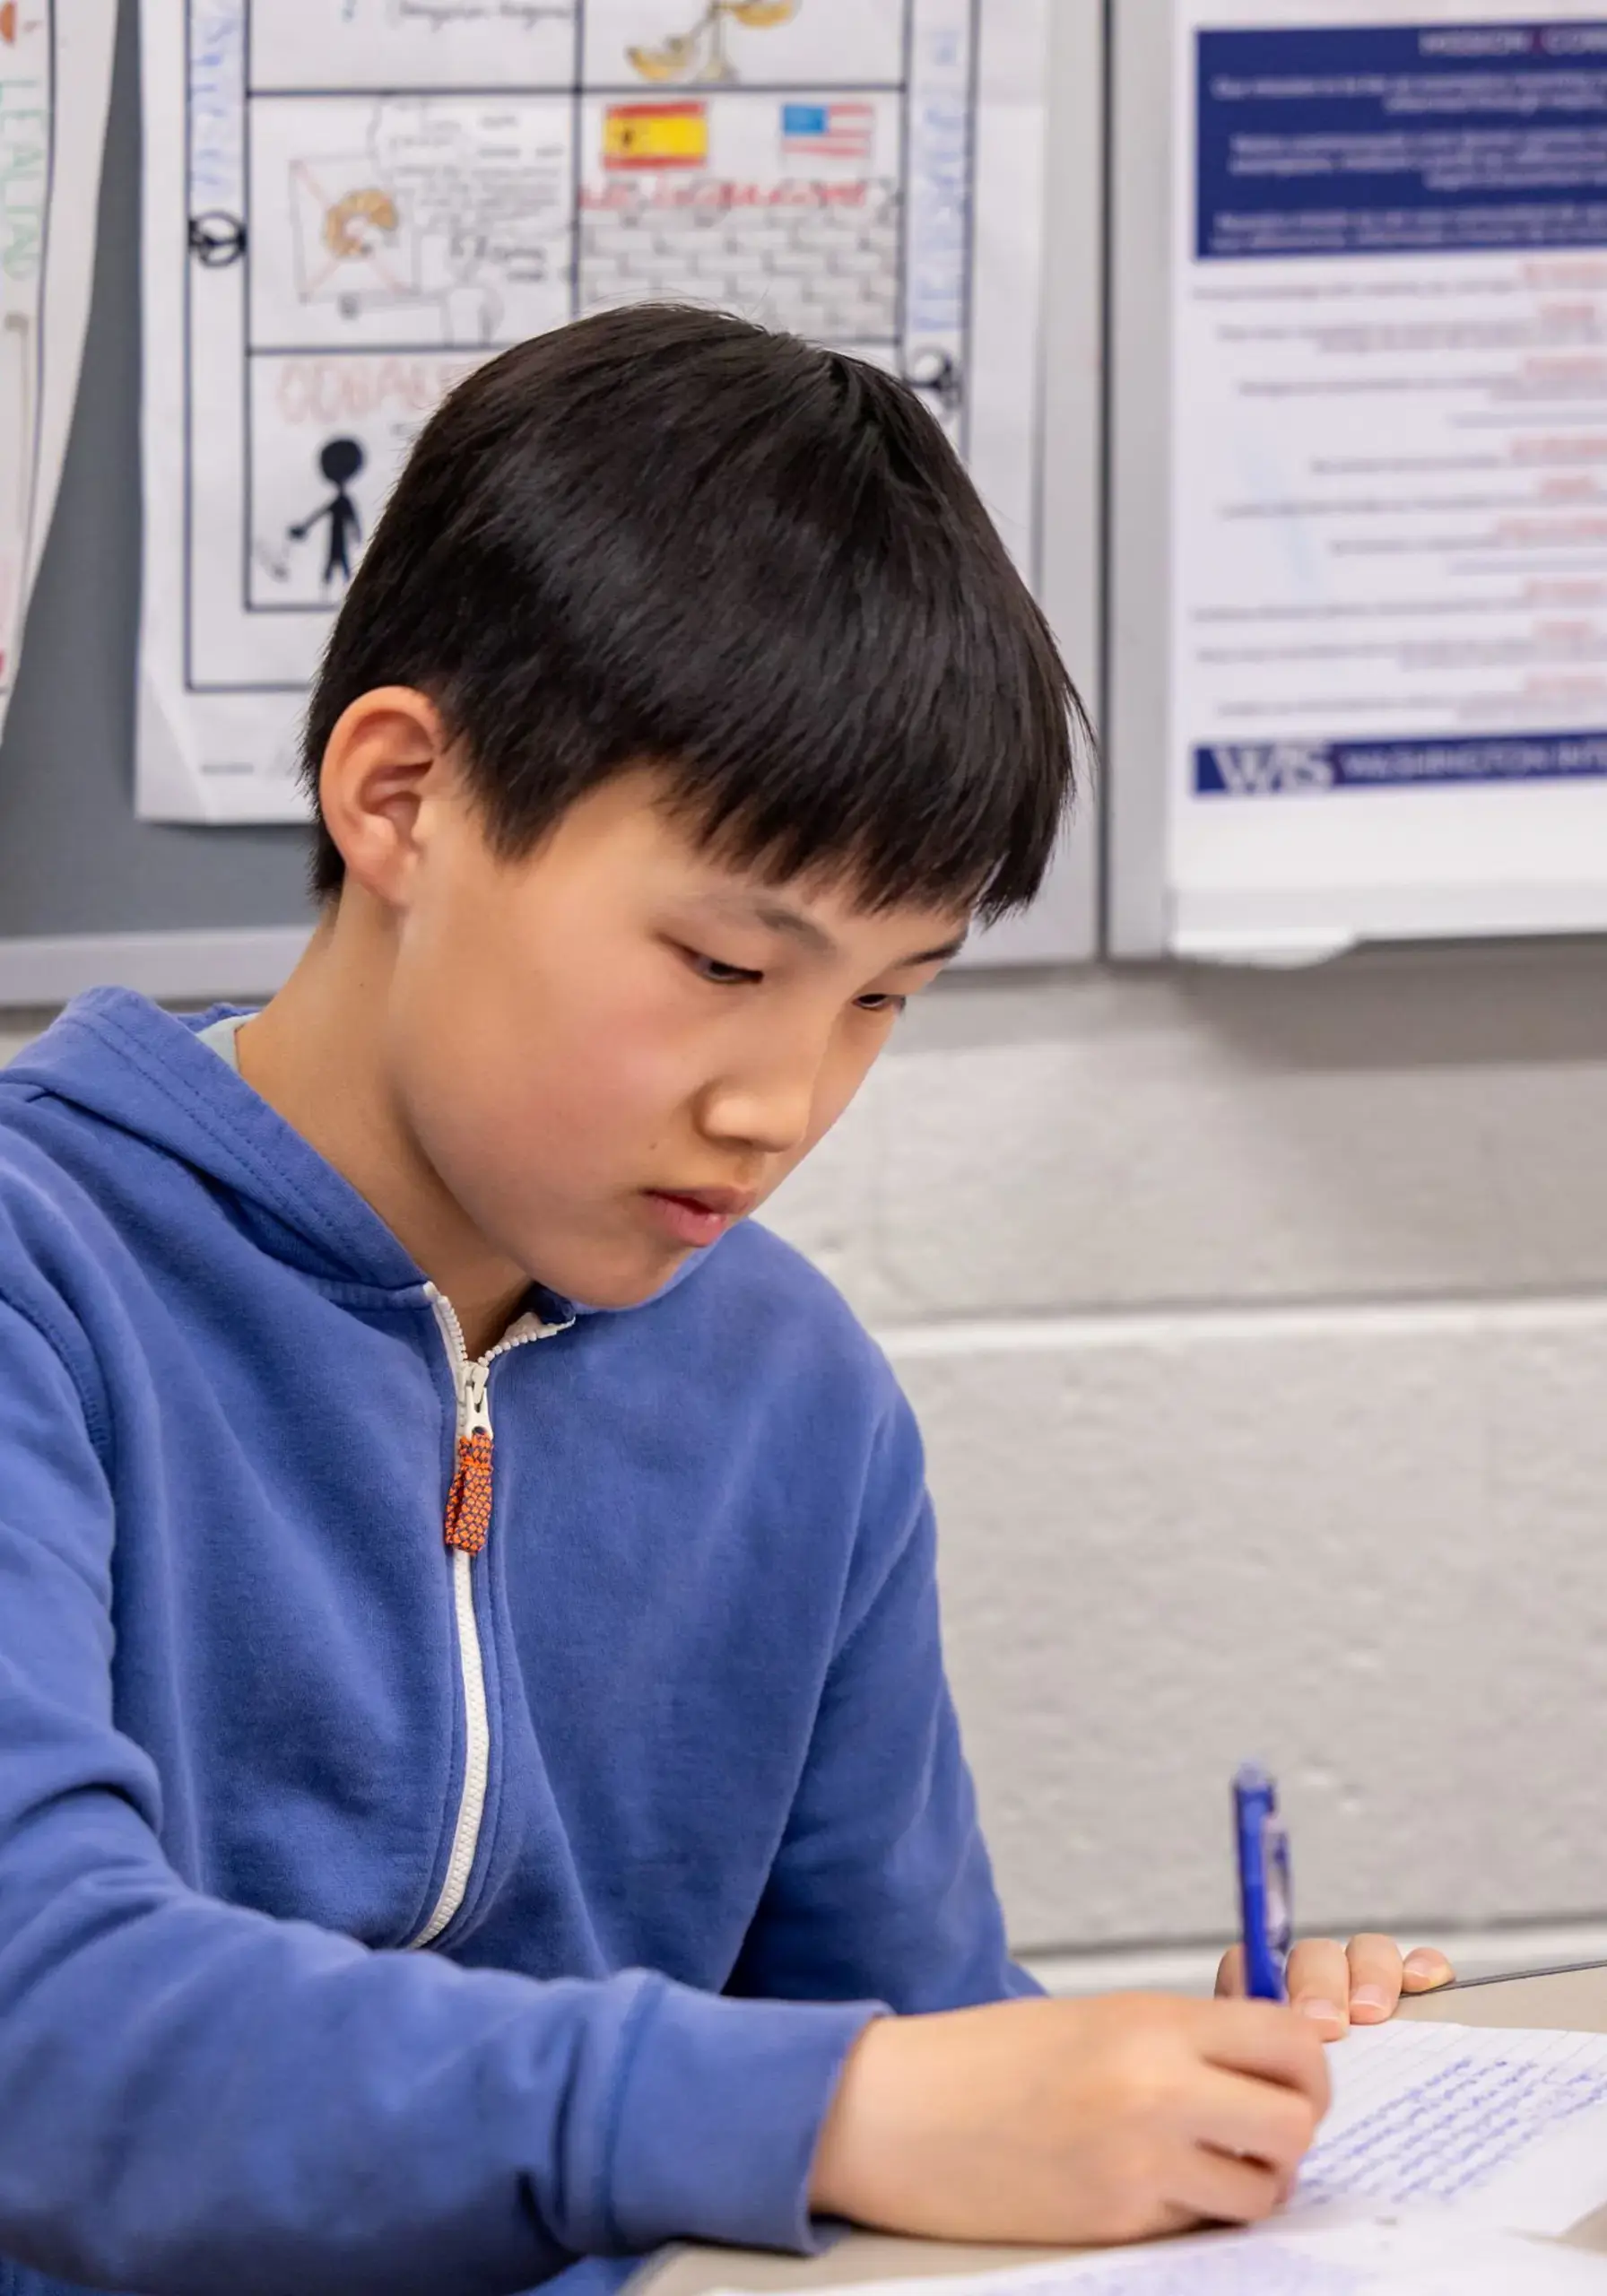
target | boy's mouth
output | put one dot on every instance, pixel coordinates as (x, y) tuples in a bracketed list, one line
[(699, 1216)]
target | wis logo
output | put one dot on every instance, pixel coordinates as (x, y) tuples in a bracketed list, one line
[(1266, 768)]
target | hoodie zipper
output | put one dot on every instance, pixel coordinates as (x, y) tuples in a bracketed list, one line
[(467, 1522)]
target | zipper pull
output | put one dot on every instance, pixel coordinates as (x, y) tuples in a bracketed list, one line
[(469, 1500), (476, 1399)]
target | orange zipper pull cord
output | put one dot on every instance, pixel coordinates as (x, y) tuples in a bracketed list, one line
[(469, 1500)]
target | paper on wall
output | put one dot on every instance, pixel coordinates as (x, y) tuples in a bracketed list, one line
[(56, 60), (351, 204), (1388, 690)]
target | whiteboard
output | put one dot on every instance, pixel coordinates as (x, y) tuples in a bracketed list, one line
[(1358, 630)]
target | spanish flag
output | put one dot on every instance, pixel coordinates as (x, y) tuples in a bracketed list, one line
[(655, 135)]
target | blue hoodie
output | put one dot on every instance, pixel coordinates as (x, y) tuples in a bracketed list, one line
[(656, 1758)]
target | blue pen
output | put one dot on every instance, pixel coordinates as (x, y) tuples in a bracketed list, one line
[(1263, 1891)]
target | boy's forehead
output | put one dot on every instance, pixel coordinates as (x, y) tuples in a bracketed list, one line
[(829, 908), (823, 915)]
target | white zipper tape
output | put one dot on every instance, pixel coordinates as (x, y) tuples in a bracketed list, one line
[(470, 1381)]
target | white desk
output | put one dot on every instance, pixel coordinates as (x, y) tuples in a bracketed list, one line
[(1566, 2001)]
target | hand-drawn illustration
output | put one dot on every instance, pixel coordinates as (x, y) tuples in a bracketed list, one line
[(788, 211), (704, 47), (811, 132), (655, 135), (349, 240), (340, 462), (346, 419), (377, 195), (703, 52), (442, 219), (216, 238)]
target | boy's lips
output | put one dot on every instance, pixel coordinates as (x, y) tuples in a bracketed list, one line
[(698, 1215)]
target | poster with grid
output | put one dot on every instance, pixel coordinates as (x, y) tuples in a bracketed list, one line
[(349, 204)]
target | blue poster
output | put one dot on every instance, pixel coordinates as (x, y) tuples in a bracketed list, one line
[(1403, 140), (1293, 769)]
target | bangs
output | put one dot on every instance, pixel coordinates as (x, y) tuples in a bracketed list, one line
[(945, 784), (664, 537)]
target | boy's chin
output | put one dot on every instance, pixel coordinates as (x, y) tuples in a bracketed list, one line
[(609, 1281)]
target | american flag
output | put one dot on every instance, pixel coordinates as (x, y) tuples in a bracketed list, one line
[(827, 131)]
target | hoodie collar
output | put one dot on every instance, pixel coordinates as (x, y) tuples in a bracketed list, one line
[(125, 1060)]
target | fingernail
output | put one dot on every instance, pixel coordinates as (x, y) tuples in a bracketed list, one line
[(1422, 1964), (1325, 2013), (1371, 1997)]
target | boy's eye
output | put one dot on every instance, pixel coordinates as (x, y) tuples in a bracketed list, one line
[(881, 1000), (716, 969)]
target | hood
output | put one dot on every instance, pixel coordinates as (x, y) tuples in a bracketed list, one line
[(125, 1061)]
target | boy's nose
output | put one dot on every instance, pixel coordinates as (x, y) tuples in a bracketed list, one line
[(772, 1114)]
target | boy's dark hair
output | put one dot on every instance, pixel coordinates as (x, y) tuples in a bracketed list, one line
[(664, 535)]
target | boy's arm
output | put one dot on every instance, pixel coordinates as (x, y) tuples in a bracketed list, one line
[(1021, 2120), (883, 1884), (193, 2096)]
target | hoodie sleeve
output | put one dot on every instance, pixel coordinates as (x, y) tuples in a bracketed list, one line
[(883, 1883), (193, 2096)]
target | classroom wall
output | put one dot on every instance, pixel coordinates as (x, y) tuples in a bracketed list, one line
[(1258, 1327)]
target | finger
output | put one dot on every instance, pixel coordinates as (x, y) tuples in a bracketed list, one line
[(1169, 2220), (1230, 1974), (1226, 2191), (1425, 1967), (1375, 1979), (1265, 2038), (1254, 2121), (1318, 1982)]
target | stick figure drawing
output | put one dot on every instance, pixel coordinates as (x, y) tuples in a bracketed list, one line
[(340, 461)]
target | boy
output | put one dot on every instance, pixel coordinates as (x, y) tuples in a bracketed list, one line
[(427, 1520)]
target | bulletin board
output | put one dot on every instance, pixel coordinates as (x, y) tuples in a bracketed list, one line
[(88, 893), (1358, 539)]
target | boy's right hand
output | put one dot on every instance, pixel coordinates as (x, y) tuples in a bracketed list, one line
[(1068, 2122)]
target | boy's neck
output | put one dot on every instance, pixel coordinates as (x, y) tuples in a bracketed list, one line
[(315, 1054)]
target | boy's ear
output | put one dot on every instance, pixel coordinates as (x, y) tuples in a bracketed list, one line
[(385, 772)]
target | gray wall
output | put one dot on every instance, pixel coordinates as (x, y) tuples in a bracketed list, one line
[(1258, 1327)]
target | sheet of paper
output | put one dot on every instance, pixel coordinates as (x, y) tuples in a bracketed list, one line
[(1510, 2127), (1389, 565), (1427, 2256), (351, 204), (56, 59)]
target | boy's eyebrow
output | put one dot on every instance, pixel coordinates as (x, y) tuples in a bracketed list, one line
[(938, 956), (779, 917)]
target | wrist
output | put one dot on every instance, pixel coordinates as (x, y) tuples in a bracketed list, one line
[(837, 2184)]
